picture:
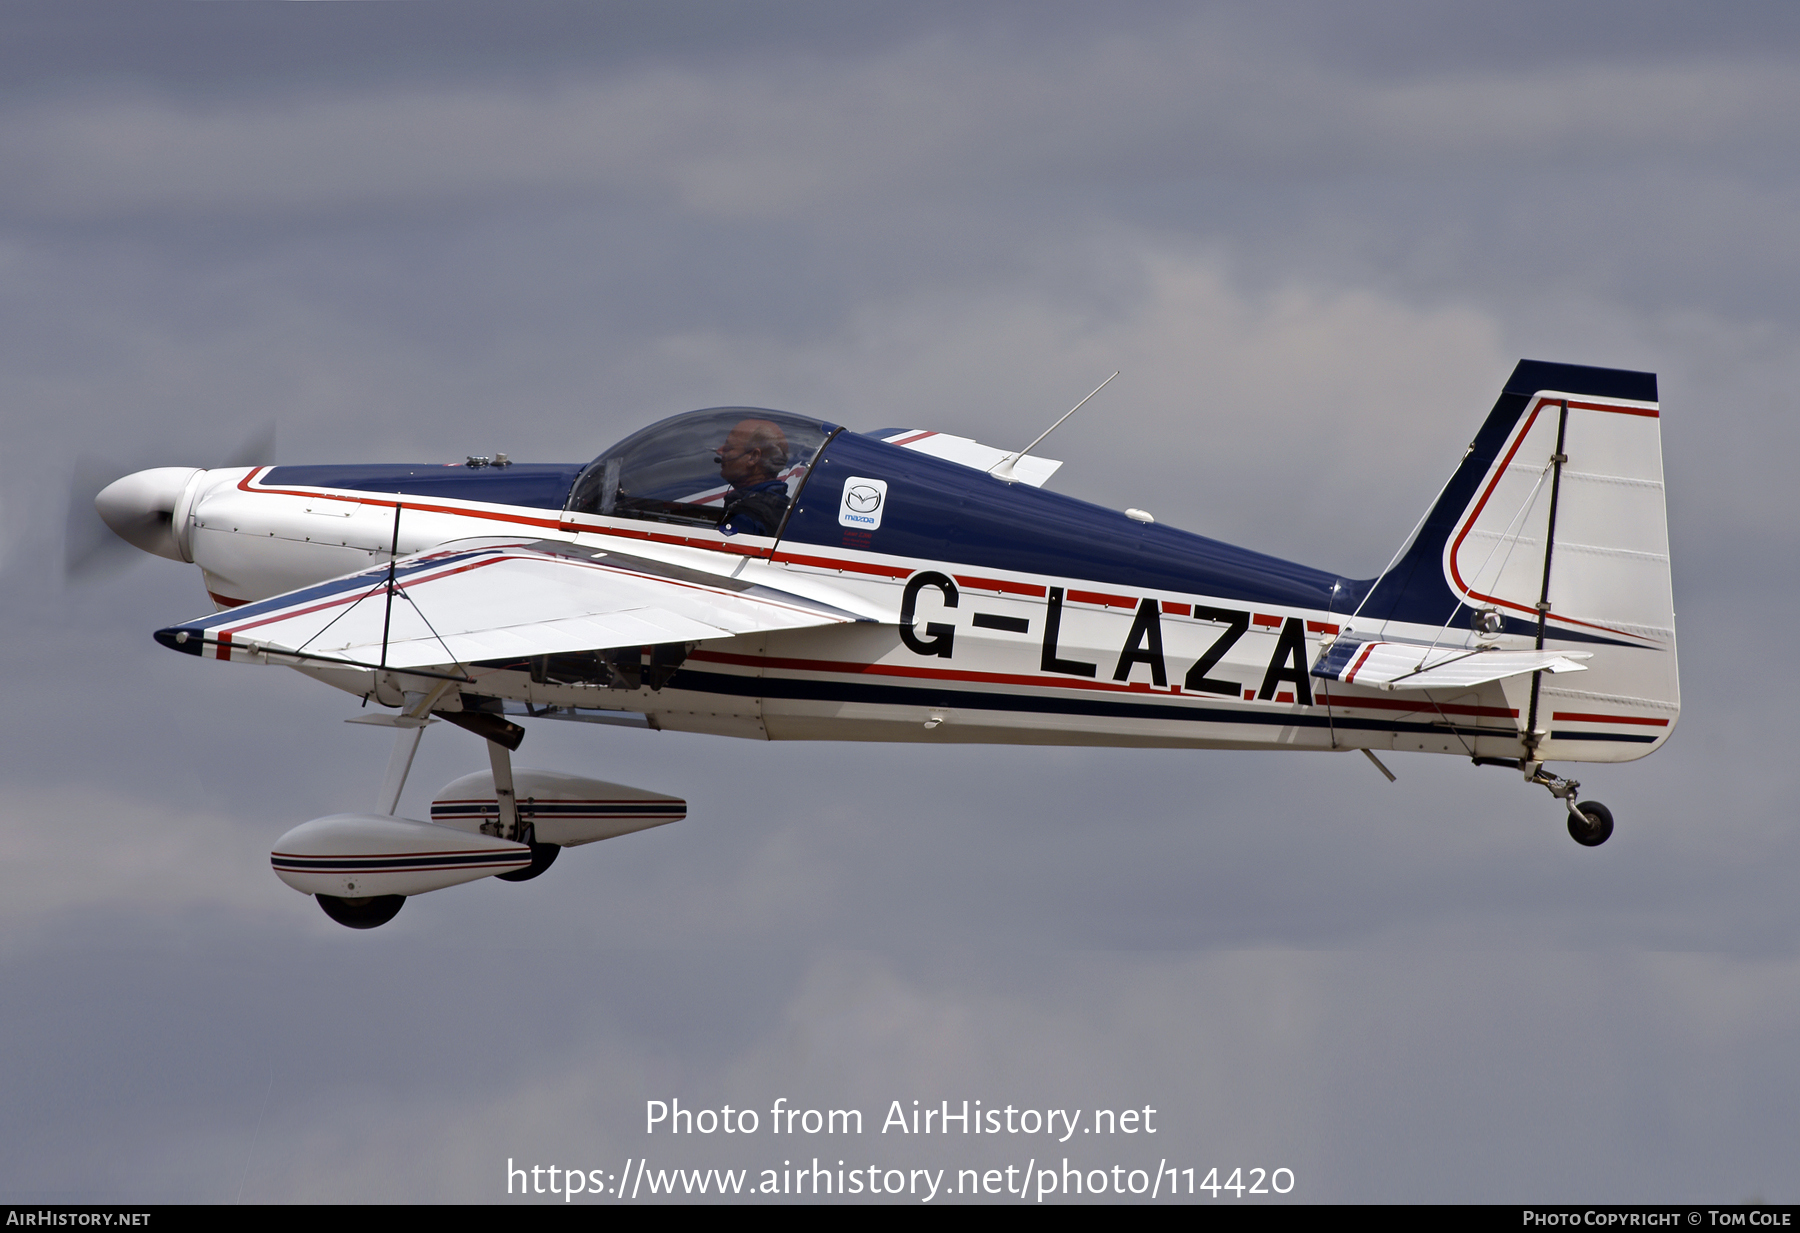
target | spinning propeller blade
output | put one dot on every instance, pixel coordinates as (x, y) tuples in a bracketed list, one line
[(91, 547)]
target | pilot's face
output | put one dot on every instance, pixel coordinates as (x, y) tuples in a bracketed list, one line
[(739, 461)]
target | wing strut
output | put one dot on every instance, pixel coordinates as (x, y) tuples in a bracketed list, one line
[(1543, 605), (387, 618), (406, 746), (410, 725)]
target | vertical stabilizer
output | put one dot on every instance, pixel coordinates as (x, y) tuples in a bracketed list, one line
[(1556, 523)]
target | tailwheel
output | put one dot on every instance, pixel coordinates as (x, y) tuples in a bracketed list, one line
[(363, 913), (1590, 824), (543, 855)]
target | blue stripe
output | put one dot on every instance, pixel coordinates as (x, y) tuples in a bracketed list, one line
[(320, 864), (533, 485), (1631, 737), (364, 581), (558, 811), (1534, 375), (978, 700)]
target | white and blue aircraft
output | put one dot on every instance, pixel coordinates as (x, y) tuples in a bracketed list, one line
[(753, 573)]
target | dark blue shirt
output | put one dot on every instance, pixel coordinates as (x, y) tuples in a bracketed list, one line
[(755, 509)]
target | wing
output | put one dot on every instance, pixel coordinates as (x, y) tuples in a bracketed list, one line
[(500, 599), (1406, 665)]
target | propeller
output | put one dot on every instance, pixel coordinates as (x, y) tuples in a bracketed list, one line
[(115, 512)]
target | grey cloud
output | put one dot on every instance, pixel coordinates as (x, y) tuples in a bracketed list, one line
[(930, 116), (1315, 238)]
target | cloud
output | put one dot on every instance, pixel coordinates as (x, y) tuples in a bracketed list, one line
[(1314, 264), (1247, 415), (75, 849), (1333, 1063), (801, 135)]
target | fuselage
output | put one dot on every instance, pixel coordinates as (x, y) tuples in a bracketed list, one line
[(1004, 613)]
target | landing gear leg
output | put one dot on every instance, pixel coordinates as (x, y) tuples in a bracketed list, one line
[(509, 824), (1591, 824), (500, 759)]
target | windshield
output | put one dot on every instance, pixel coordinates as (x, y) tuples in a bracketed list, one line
[(731, 468)]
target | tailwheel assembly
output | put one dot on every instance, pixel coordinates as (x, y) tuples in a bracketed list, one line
[(1590, 824)]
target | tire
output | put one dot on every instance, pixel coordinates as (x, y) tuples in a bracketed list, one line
[(1599, 828), (366, 913), (543, 855)]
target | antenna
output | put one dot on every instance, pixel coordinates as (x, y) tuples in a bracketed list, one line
[(1003, 470)]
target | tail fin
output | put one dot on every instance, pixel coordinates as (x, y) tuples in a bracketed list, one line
[(1556, 522)]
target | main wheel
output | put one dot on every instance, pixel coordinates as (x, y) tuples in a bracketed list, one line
[(543, 855), (364, 913), (1599, 825)]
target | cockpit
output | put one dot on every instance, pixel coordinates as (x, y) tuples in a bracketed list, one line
[(734, 469)]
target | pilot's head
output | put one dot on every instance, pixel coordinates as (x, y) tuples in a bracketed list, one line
[(754, 452)]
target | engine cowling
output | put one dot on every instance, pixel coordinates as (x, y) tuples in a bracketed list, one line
[(562, 809), (359, 855)]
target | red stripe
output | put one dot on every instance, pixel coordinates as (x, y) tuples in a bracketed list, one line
[(1650, 412), (1001, 585), (370, 870), (574, 800), (930, 674), (855, 567), (781, 556), (244, 485), (1342, 703), (1263, 618), (1103, 599), (1499, 473), (1582, 717), (434, 853), (350, 598), (917, 436), (1350, 677), (1178, 609), (564, 523), (1320, 627), (1059, 683)]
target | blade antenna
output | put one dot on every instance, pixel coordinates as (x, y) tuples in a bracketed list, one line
[(1003, 470), (393, 558)]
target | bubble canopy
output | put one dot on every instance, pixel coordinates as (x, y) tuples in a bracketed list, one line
[(735, 469)]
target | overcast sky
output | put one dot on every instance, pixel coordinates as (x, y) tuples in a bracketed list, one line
[(1314, 238)]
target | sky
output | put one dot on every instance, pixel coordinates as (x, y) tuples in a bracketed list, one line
[(1314, 239)]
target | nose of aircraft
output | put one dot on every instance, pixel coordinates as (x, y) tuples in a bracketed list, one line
[(140, 508)]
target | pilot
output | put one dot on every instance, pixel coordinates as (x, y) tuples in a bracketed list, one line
[(751, 461)]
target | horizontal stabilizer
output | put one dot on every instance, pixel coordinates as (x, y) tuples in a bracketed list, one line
[(1409, 665), (1027, 470), (498, 599)]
